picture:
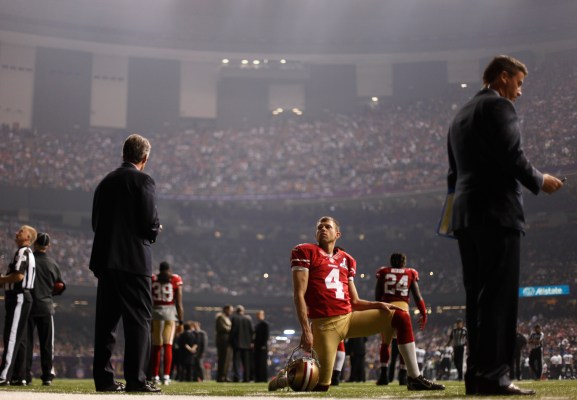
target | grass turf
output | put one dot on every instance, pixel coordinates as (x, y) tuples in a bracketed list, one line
[(566, 389)]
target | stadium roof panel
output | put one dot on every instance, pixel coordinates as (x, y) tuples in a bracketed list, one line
[(297, 26)]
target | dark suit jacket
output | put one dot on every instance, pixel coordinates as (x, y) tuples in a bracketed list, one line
[(261, 335), (487, 165), (241, 332), (124, 221)]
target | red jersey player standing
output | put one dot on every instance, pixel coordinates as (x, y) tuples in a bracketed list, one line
[(329, 309), (393, 286), (167, 310)]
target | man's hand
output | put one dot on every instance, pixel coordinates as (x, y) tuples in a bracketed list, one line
[(389, 306), (551, 184), (422, 321)]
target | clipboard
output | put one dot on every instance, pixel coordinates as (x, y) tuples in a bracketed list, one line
[(445, 226)]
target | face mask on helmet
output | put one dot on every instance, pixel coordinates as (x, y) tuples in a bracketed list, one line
[(301, 373)]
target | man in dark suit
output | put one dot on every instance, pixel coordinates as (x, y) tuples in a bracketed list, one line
[(241, 335), (261, 336), (487, 167), (125, 224)]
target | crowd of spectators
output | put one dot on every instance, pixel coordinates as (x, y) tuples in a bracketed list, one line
[(390, 148)]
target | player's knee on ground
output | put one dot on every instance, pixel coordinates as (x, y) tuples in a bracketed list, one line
[(402, 324)]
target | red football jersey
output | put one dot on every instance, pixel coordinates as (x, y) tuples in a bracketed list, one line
[(327, 292), (163, 293), (396, 283)]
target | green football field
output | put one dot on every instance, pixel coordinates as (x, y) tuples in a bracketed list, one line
[(566, 389)]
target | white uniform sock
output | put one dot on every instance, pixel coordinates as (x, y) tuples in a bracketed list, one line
[(407, 350), (339, 361)]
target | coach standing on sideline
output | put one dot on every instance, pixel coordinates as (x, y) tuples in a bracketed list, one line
[(42, 313), (487, 167), (125, 224)]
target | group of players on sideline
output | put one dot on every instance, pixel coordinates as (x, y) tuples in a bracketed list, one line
[(539, 356)]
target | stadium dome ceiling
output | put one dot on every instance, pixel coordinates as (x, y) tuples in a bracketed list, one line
[(297, 26)]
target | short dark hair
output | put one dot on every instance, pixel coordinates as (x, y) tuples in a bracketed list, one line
[(503, 63), (135, 149), (398, 260), (327, 218)]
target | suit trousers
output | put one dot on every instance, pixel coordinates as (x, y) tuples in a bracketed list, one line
[(224, 354), (128, 296), (261, 364), (241, 361), (44, 324), (490, 258)]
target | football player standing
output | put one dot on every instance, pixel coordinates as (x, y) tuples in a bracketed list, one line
[(167, 310), (393, 286)]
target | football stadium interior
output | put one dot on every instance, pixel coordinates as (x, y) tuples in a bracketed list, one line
[(264, 116)]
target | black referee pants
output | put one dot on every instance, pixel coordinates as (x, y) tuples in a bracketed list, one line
[(536, 362), (17, 307), (458, 354)]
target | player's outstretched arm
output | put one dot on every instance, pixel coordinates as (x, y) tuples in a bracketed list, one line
[(359, 304)]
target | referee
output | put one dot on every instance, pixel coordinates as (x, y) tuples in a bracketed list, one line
[(536, 354), (18, 301), (458, 339), (42, 313)]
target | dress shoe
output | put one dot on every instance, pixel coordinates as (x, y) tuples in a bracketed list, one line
[(115, 387), (510, 390), (148, 387), (470, 386)]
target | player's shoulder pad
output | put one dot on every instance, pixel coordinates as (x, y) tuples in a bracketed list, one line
[(303, 246)]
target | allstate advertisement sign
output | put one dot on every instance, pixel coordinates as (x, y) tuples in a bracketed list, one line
[(532, 291)]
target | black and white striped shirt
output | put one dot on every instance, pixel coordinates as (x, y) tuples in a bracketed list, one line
[(459, 336), (23, 263), (536, 340)]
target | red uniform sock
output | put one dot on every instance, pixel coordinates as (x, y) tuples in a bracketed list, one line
[(155, 360), (384, 354), (167, 359)]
